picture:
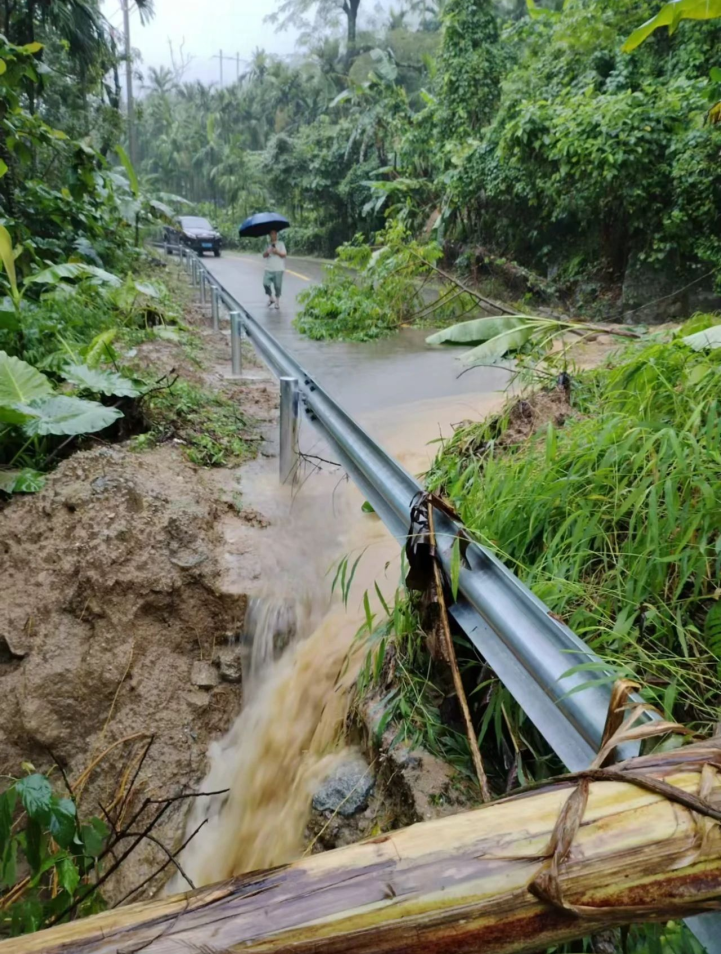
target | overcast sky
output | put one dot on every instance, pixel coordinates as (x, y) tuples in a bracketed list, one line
[(207, 26)]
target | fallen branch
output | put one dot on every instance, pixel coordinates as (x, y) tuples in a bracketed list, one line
[(638, 842), (488, 303), (450, 656)]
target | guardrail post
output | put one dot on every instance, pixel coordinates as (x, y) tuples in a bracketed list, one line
[(236, 353), (202, 285), (214, 306), (289, 407)]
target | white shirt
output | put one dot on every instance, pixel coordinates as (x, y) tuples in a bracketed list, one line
[(274, 263)]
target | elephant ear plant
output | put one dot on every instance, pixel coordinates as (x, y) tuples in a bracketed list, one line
[(33, 413)]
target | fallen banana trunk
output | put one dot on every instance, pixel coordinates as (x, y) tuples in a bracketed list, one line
[(563, 861)]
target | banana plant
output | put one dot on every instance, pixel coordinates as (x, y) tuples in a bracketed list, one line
[(670, 15), (496, 337)]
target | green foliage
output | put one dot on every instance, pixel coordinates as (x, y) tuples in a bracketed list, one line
[(532, 340), (670, 15), (614, 523), (210, 425), (32, 413), (472, 64), (47, 856), (371, 292)]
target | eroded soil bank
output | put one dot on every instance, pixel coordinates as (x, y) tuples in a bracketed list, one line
[(115, 629)]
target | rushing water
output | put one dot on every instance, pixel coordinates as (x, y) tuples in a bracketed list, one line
[(274, 757), (300, 651)]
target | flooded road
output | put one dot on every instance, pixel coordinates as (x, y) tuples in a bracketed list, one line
[(304, 643), (362, 377)]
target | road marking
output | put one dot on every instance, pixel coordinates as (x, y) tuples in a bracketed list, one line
[(254, 261)]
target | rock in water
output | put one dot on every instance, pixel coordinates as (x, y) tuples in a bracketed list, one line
[(347, 789)]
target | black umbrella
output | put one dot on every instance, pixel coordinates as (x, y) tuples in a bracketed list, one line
[(263, 223)]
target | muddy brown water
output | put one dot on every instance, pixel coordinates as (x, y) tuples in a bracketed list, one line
[(302, 646)]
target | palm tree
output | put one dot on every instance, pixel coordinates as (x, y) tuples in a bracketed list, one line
[(162, 81)]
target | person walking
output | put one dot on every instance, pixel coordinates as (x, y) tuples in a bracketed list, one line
[(274, 255)]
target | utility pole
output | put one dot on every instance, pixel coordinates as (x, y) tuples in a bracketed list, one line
[(129, 81), (220, 57)]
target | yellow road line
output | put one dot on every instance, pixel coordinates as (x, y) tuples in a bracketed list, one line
[(254, 261)]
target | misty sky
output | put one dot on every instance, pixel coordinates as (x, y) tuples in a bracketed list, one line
[(236, 26), (207, 26)]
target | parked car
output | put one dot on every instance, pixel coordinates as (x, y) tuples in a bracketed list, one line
[(192, 231)]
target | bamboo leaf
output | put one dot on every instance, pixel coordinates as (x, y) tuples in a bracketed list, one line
[(367, 609), (455, 566)]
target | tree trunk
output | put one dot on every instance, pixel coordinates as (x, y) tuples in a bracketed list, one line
[(350, 8), (577, 856)]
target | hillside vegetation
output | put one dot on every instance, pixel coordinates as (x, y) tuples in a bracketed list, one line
[(503, 131)]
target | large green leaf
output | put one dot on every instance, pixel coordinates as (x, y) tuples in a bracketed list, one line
[(57, 273), (20, 381), (102, 382), (61, 414), (147, 289), (128, 166), (25, 481), (99, 348), (495, 348), (709, 338), (7, 257), (9, 320), (162, 210), (670, 15), (477, 330)]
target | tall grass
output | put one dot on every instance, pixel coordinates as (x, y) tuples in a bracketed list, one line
[(614, 519)]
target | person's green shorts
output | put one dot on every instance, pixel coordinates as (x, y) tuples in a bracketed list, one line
[(275, 279)]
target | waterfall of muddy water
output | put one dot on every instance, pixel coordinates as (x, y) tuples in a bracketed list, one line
[(301, 656), (273, 759)]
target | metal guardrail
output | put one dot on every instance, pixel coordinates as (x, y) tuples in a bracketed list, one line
[(530, 651)]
